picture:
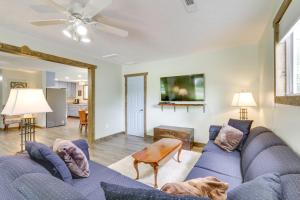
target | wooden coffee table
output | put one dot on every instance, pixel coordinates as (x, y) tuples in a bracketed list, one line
[(155, 153)]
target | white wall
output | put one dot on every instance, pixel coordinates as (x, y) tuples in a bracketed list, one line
[(33, 80), (106, 90), (109, 100), (282, 119), (226, 71)]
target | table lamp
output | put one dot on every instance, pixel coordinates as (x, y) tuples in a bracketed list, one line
[(243, 100), (26, 102)]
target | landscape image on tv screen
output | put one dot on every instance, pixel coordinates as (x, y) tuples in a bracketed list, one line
[(183, 88)]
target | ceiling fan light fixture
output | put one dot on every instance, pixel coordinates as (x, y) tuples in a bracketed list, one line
[(75, 37), (81, 30), (85, 40), (67, 33)]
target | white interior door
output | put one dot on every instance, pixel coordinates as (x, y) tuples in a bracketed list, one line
[(135, 106)]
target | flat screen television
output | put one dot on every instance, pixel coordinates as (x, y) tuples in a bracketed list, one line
[(183, 88)]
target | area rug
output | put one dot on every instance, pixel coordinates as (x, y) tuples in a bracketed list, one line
[(169, 171)]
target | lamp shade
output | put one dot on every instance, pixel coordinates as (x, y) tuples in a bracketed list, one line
[(26, 101), (243, 99)]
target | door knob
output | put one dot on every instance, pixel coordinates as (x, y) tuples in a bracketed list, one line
[(141, 110)]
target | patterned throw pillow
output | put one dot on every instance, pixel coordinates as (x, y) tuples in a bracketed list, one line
[(242, 125), (229, 138), (73, 156)]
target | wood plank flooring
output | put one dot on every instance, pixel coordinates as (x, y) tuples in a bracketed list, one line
[(10, 140), (105, 151)]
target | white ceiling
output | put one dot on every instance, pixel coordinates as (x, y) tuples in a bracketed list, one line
[(158, 29), (32, 65)]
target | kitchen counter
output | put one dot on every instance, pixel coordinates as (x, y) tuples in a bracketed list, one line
[(73, 109)]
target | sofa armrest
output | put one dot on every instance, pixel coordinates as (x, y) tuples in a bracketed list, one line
[(84, 146), (214, 131)]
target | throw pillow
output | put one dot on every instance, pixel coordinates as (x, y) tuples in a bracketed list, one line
[(261, 188), (214, 131), (229, 138), (35, 186), (84, 146), (242, 125), (73, 156), (117, 192), (43, 155)]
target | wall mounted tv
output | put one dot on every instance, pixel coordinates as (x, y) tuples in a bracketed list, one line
[(183, 88)]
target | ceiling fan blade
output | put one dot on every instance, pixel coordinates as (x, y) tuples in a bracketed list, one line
[(57, 6), (111, 29), (49, 22), (95, 6)]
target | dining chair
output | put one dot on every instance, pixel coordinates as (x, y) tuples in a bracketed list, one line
[(83, 120)]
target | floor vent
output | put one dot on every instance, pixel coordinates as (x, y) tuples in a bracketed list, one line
[(190, 5)]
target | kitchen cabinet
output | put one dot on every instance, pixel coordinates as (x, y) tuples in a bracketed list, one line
[(70, 88), (73, 109), (50, 79)]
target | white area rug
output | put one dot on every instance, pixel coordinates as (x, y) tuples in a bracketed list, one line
[(170, 171)]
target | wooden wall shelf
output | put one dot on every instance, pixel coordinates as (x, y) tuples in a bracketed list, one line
[(174, 105)]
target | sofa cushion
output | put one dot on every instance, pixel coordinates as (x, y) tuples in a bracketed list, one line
[(197, 172), (38, 186), (275, 159), (257, 145), (90, 187), (253, 133), (117, 192), (262, 188), (242, 125), (227, 165), (212, 147), (50, 160), (290, 185), (9, 193), (13, 167)]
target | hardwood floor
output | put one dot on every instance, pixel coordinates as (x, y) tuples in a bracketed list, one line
[(105, 151), (10, 140), (113, 148)]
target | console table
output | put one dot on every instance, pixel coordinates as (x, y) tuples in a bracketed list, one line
[(186, 135)]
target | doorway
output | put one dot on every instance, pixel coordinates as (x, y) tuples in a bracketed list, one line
[(135, 104), (26, 52)]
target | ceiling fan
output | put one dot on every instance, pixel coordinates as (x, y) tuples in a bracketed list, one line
[(81, 15)]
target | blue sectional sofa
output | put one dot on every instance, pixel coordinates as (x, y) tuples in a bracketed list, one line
[(15, 168), (262, 153)]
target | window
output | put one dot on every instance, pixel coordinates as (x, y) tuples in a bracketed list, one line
[(288, 64), (287, 53), (296, 59)]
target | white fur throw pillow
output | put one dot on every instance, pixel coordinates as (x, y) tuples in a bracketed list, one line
[(73, 156)]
